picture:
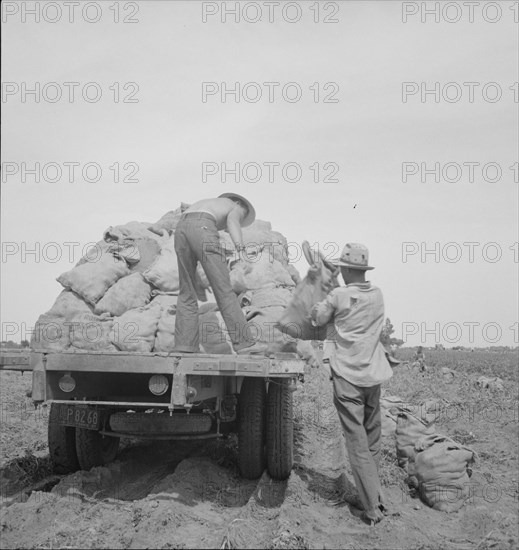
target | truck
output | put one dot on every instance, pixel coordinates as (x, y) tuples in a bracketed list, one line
[(97, 398)]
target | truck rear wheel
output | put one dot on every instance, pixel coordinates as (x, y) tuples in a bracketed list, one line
[(251, 431), (62, 444), (94, 449), (280, 430)]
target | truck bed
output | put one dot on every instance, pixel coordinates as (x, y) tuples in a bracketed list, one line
[(108, 372), (276, 364)]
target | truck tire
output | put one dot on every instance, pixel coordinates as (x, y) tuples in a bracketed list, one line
[(62, 444), (251, 428), (280, 430), (94, 449)]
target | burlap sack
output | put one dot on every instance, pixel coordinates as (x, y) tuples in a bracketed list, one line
[(135, 330), (269, 297), (52, 330), (259, 274), (94, 252), (91, 332), (262, 326), (164, 300), (294, 274), (212, 331), (165, 338), (273, 244), (492, 383), (296, 320), (92, 279), (127, 293), (389, 408), (148, 250), (409, 430), (163, 273), (442, 471), (68, 305), (51, 333), (169, 221), (259, 238), (307, 352), (130, 230)]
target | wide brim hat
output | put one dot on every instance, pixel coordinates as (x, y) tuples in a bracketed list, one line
[(251, 213), (354, 256)]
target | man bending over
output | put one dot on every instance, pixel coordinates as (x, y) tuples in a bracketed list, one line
[(197, 240)]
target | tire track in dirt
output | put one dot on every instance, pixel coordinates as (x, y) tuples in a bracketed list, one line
[(178, 495)]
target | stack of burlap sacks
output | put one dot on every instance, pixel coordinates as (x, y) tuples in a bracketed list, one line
[(438, 467), (122, 295)]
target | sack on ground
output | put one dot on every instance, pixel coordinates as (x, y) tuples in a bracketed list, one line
[(443, 473), (92, 279), (389, 408), (127, 293), (135, 330), (492, 383), (409, 430), (163, 273)]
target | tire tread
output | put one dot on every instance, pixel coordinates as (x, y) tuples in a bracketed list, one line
[(251, 435), (280, 430)]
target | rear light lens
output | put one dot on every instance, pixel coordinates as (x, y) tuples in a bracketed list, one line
[(66, 383), (158, 384), (191, 393)]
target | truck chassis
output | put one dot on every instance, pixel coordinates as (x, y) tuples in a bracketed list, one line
[(96, 398)]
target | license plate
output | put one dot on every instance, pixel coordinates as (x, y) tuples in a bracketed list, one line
[(79, 417)]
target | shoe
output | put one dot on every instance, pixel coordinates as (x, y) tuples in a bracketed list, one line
[(373, 516), (258, 348)]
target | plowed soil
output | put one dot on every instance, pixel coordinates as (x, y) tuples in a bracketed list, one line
[(190, 495)]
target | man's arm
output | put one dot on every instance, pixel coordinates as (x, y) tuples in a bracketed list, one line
[(323, 312), (234, 227)]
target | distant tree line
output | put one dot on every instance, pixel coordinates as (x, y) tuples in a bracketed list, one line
[(15, 345)]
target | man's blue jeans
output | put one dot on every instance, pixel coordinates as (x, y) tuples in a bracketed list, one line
[(197, 240)]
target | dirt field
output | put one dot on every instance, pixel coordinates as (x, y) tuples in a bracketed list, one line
[(171, 495)]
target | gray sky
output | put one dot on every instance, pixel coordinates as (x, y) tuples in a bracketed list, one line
[(369, 133)]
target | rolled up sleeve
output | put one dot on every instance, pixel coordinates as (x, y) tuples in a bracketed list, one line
[(323, 312)]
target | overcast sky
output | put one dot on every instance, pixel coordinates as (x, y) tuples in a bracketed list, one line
[(376, 124)]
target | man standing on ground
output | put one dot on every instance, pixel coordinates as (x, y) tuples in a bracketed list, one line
[(359, 365), (197, 240)]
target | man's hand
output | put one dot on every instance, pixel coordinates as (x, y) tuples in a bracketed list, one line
[(250, 253), (313, 271)]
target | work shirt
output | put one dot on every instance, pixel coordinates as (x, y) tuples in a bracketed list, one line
[(355, 353)]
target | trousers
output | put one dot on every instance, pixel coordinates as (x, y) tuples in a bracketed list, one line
[(197, 240), (359, 414)]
